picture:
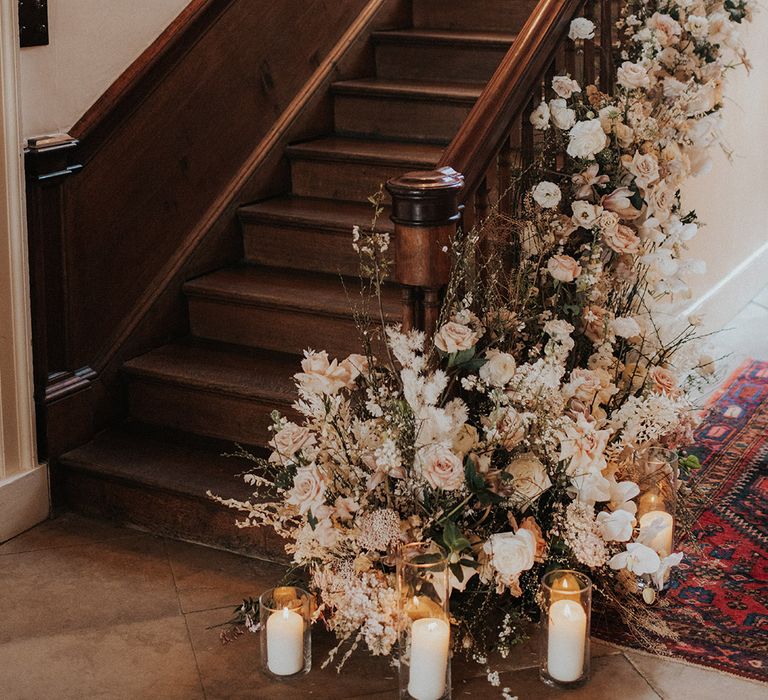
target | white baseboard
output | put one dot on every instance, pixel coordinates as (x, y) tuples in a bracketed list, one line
[(732, 293), (24, 501)]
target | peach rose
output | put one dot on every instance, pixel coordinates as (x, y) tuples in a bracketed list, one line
[(288, 442), (441, 468), (321, 376), (563, 268), (595, 321), (308, 489), (664, 382), (455, 337), (623, 240)]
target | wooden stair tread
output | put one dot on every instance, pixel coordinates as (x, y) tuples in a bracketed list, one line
[(142, 457), (445, 36), (286, 289), (315, 212), (251, 374), (410, 89), (398, 153)]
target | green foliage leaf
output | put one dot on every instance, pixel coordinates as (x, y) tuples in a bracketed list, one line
[(454, 538), (457, 359)]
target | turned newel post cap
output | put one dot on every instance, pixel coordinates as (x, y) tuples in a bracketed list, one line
[(426, 197)]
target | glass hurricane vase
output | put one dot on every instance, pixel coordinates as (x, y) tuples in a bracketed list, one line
[(424, 623), (285, 618), (566, 602)]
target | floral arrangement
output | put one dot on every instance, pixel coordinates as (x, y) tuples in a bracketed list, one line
[(507, 438)]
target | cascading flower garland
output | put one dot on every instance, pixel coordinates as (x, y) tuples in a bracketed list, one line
[(507, 439)]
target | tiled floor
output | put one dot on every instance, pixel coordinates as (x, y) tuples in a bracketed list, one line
[(88, 610)]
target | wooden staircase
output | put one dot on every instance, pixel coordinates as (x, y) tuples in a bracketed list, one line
[(190, 400)]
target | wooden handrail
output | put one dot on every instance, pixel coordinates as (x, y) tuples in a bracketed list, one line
[(479, 140)]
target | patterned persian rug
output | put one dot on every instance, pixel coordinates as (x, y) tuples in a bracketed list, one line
[(718, 606)]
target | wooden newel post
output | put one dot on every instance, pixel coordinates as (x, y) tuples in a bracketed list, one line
[(426, 212)]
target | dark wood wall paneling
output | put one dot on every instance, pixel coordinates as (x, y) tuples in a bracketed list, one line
[(182, 139)]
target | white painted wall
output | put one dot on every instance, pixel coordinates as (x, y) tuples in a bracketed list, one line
[(733, 198), (24, 497), (92, 43)]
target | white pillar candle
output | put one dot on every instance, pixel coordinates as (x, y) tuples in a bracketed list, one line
[(662, 541), (285, 642), (567, 636), (430, 644)]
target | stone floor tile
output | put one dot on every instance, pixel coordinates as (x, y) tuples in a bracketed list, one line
[(65, 530), (209, 578), (150, 659), (673, 680), (613, 678), (232, 671), (60, 590)]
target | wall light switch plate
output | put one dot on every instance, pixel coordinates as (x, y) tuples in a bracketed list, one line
[(33, 22)]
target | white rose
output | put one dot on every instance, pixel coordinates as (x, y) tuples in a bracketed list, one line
[(586, 139), (581, 28), (540, 117), (633, 76), (441, 468), (529, 478), (308, 489), (562, 117), (563, 268), (704, 99), (499, 368), (455, 337), (547, 194), (511, 553), (585, 214), (288, 442), (616, 526), (564, 86), (625, 327)]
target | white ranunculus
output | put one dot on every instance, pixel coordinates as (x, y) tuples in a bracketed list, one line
[(587, 138), (565, 86), (585, 214), (625, 327), (615, 526), (511, 553), (547, 194), (562, 117), (581, 28), (638, 559), (633, 76), (529, 478), (563, 268), (499, 368), (540, 117), (697, 26), (441, 468), (455, 337)]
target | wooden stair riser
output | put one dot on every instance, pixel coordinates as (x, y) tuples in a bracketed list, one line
[(342, 180), (301, 248), (437, 62), (403, 118), (222, 416), (279, 329), (164, 513), (474, 15)]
